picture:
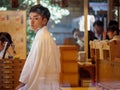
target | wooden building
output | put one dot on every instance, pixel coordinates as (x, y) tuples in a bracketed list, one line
[(75, 74)]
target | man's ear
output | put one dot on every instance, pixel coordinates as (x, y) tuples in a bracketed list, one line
[(3, 44), (45, 21)]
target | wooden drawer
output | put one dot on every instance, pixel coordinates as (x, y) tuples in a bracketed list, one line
[(86, 82), (69, 67), (7, 76), (71, 79), (70, 56), (69, 52)]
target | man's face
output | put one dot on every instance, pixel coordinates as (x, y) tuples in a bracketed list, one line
[(75, 35), (111, 34), (98, 29), (36, 21), (1, 46)]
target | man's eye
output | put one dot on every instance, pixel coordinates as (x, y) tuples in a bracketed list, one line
[(36, 18), (33, 18)]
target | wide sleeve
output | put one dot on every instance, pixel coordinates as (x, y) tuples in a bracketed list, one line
[(36, 62)]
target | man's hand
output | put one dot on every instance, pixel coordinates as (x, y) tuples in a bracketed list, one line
[(19, 86)]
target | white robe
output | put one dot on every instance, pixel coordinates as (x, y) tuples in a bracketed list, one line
[(116, 37), (90, 21), (42, 67), (6, 55)]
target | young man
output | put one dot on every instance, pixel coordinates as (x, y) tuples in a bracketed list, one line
[(100, 34), (42, 67)]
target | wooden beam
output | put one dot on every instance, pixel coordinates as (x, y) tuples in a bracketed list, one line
[(38, 1), (14, 3), (119, 15), (86, 29), (110, 10)]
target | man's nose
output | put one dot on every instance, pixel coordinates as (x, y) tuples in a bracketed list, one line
[(32, 21)]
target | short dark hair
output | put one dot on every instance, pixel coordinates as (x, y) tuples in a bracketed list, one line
[(4, 36), (80, 33), (113, 22), (43, 11), (98, 23), (75, 30), (113, 28)]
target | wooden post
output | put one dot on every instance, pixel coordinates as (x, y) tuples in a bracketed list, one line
[(14, 3), (119, 14), (38, 1), (85, 26), (110, 10)]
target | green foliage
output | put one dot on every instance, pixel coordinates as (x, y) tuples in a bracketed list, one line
[(5, 3)]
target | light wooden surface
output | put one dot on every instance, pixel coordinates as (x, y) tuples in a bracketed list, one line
[(79, 88), (85, 26), (69, 57)]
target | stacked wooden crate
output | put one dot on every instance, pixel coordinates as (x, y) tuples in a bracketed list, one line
[(69, 66), (9, 73)]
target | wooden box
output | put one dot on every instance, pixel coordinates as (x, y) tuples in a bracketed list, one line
[(69, 66)]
